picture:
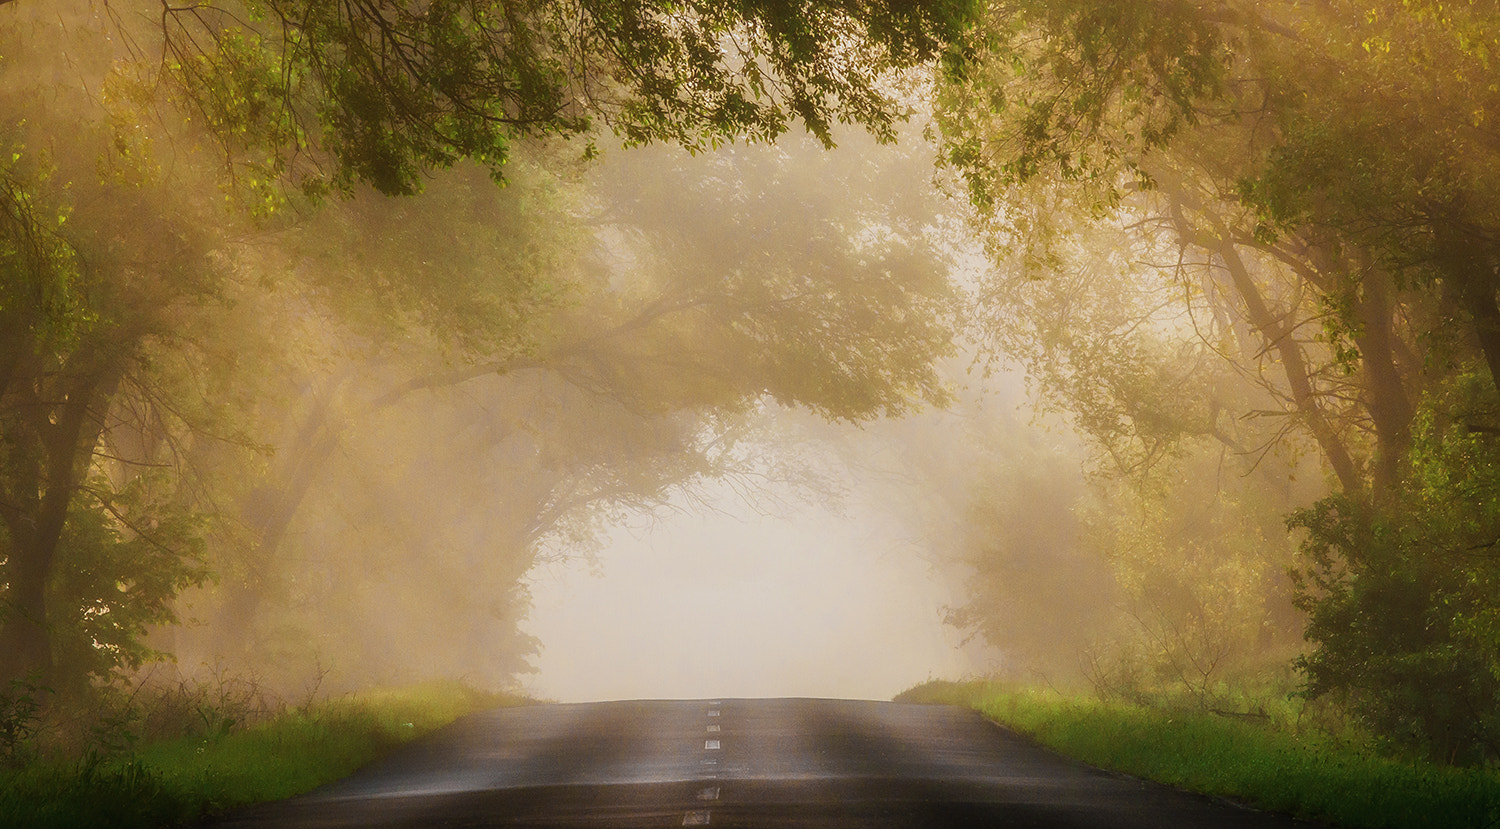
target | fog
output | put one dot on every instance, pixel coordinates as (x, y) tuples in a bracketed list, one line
[(738, 419), (599, 367), (723, 600)]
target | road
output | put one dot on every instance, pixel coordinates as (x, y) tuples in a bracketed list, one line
[(745, 763)]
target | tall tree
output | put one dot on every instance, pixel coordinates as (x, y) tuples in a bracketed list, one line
[(106, 276), (1266, 146), (116, 247), (1326, 175)]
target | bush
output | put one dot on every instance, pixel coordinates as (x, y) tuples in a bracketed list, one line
[(1401, 594), (21, 705)]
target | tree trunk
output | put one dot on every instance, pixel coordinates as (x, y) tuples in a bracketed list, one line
[(1387, 399), (1477, 292), (25, 647), (308, 453), (1280, 339), (63, 435), (1464, 260), (1277, 335), (243, 600)]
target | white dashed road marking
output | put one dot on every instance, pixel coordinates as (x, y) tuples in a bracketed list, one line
[(700, 817)]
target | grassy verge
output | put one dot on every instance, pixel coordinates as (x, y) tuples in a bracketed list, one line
[(1260, 763), (177, 781)]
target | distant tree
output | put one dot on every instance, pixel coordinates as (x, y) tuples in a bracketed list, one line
[(1035, 591), (710, 288)]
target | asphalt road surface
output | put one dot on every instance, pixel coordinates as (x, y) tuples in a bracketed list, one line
[(748, 763)]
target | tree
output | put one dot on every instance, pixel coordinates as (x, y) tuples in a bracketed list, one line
[(1325, 174), (1034, 589), (1118, 114), (1387, 146), (1181, 507), (330, 98), (102, 277), (1255, 138), (690, 304)]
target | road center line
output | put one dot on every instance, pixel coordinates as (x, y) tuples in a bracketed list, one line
[(710, 745), (714, 728), (709, 793)]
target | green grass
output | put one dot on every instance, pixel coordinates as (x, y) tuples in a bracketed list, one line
[(177, 781), (1268, 765)]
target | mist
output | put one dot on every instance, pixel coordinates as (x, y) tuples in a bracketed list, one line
[(566, 515), (655, 424), (595, 389), (719, 599)]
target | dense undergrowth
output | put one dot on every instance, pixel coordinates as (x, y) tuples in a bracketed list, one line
[(1271, 759), (228, 762)]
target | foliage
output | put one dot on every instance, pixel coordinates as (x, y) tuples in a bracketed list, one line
[(809, 278), (1315, 183), (476, 271), (1273, 762), (386, 92), (117, 578), (1400, 594), (1203, 601), (41, 286), (1083, 88), (21, 707)]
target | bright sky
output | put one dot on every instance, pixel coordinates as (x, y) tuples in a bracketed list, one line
[(742, 605)]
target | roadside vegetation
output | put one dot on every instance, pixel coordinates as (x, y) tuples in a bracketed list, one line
[(284, 375), (215, 748), (1284, 756), (1238, 263)]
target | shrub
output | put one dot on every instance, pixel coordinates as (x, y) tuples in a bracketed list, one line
[(1401, 593)]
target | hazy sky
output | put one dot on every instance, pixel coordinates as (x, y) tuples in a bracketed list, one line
[(742, 605)]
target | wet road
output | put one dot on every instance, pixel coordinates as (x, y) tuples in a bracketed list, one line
[(746, 763)]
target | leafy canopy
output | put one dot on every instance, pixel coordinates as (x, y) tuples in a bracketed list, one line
[(339, 93)]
